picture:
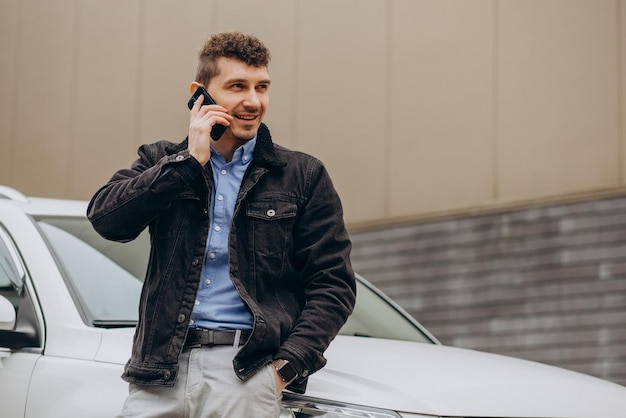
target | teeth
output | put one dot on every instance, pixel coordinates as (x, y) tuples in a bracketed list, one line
[(246, 117)]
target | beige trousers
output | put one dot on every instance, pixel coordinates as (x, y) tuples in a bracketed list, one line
[(206, 387)]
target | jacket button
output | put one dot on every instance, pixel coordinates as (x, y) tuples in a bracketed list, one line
[(181, 318), (195, 262), (180, 157), (167, 374), (271, 213)]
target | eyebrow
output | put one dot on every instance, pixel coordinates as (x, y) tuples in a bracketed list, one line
[(245, 80)]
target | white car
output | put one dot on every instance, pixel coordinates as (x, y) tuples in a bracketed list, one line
[(68, 306)]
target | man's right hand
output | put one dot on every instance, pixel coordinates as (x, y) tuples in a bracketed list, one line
[(201, 121)]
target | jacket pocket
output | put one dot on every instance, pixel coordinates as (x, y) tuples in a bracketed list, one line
[(271, 235)]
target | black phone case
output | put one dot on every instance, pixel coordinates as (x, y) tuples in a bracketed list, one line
[(217, 130)]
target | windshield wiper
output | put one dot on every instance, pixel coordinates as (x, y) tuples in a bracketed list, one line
[(120, 323)]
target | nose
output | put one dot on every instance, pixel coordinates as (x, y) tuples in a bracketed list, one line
[(252, 99)]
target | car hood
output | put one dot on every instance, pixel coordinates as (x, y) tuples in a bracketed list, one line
[(454, 382), (440, 380)]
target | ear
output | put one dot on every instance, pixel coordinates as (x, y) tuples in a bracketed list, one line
[(194, 86)]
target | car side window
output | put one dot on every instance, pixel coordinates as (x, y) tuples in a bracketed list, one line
[(12, 273)]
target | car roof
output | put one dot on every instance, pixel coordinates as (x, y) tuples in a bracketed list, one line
[(42, 205)]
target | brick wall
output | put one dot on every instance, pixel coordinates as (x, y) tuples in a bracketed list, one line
[(544, 283)]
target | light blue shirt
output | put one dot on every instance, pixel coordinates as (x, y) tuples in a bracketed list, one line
[(218, 304)]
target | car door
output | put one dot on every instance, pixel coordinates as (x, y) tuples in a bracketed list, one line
[(16, 363)]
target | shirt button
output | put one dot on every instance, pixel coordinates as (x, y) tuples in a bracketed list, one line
[(271, 213), (220, 197), (191, 322), (197, 302), (212, 255), (181, 318), (217, 228), (223, 172), (207, 281)]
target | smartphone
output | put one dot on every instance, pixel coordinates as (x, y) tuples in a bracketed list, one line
[(217, 130)]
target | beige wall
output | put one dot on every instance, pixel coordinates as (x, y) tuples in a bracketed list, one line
[(417, 107)]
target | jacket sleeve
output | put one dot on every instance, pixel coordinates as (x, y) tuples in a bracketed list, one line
[(323, 255), (133, 197)]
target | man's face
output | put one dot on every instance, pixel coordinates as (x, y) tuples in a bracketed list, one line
[(243, 90)]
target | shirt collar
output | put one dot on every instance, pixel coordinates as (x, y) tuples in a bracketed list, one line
[(243, 154)]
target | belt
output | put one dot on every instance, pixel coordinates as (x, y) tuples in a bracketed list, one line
[(200, 337)]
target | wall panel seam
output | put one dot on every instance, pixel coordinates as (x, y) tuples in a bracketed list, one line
[(621, 56), (73, 100), (495, 181), (389, 111), (139, 68)]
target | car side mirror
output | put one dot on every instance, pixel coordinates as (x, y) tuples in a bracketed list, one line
[(7, 314)]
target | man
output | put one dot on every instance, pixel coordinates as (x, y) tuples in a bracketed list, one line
[(249, 277)]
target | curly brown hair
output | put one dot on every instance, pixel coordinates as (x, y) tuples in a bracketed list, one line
[(246, 48)]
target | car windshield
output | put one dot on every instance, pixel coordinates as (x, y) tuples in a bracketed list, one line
[(105, 280)]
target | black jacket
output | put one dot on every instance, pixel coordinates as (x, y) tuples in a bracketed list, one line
[(288, 248)]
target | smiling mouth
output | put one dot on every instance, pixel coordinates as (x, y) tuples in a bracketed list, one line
[(246, 118)]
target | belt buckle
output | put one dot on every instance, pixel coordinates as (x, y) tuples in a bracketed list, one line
[(200, 337)]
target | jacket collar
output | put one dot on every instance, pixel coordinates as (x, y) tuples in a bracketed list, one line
[(265, 152)]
